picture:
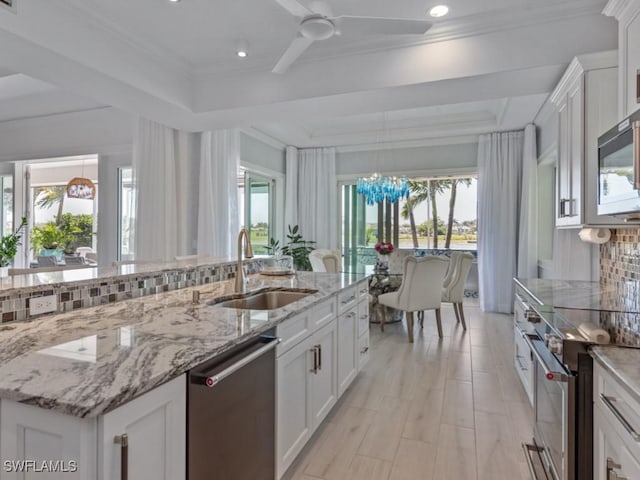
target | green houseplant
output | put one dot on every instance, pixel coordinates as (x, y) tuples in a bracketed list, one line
[(296, 246), (9, 245), (46, 239)]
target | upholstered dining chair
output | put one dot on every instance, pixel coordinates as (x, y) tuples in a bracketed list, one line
[(453, 286), (413, 295), (396, 260), (323, 260), (73, 260), (46, 261)]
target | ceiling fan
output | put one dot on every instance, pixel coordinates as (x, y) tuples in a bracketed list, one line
[(317, 22)]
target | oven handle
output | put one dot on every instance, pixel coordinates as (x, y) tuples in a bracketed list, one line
[(608, 401), (549, 373), (636, 155)]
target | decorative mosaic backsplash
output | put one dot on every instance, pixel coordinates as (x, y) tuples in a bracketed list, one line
[(92, 293), (620, 266)]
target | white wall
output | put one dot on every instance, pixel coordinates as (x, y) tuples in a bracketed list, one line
[(258, 153), (436, 159)]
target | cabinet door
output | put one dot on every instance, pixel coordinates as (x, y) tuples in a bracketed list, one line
[(155, 425), (563, 173), (36, 434), (347, 349), (293, 416), (575, 105), (324, 384), (612, 458)]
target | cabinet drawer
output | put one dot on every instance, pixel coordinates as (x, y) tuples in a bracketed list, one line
[(363, 349), (322, 314), (347, 298), (363, 317), (363, 291), (292, 331)]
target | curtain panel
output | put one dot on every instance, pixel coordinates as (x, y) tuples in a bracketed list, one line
[(154, 162), (218, 218), (315, 203)]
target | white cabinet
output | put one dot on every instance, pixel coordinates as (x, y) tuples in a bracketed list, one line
[(627, 12), (36, 434), (306, 391), (616, 423), (585, 99), (155, 428), (155, 425), (363, 326), (347, 348)]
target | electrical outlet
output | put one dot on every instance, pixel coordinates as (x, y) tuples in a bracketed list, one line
[(40, 305)]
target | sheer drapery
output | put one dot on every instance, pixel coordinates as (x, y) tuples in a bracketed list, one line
[(291, 188), (317, 201), (528, 234), (499, 189), (218, 221), (154, 162)]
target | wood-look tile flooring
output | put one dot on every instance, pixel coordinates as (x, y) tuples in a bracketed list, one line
[(450, 409)]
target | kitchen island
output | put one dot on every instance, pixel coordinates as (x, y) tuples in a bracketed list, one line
[(72, 371)]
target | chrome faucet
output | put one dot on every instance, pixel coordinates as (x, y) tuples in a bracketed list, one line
[(248, 253)]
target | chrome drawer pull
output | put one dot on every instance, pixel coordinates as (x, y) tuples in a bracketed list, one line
[(349, 300), (123, 441), (611, 474), (609, 402)]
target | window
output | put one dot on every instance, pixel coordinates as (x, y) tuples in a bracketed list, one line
[(6, 226), (452, 202), (255, 206), (126, 213)]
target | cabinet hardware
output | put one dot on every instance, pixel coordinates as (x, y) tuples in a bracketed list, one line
[(364, 350), (349, 300), (351, 315), (319, 357), (123, 441), (609, 402), (314, 350), (611, 474)]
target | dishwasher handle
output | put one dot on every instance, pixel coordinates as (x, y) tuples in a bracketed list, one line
[(213, 380)]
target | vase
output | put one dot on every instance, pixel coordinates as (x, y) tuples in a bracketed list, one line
[(382, 265)]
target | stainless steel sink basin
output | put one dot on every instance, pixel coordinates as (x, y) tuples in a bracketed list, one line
[(268, 299)]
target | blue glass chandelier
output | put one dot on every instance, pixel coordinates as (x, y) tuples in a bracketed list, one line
[(378, 188)]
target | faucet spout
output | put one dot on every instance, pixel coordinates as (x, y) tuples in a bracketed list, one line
[(248, 253)]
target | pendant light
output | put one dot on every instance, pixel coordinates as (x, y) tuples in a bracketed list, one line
[(81, 187)]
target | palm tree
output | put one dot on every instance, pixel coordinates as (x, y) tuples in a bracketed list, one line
[(407, 212), (421, 192), (51, 195), (453, 185)]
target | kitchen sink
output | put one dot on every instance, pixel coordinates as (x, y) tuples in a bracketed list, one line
[(268, 299)]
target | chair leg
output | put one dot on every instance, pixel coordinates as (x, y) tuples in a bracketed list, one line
[(410, 326), (455, 309), (464, 323), (421, 318), (382, 313), (439, 322)]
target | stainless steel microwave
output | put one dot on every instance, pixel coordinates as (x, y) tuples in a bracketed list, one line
[(619, 168)]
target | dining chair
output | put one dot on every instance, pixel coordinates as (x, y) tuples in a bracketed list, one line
[(396, 259), (323, 260), (46, 261), (413, 296), (453, 286), (73, 260)]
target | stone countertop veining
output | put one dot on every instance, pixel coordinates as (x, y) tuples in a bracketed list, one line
[(621, 362), (90, 361), (581, 295)]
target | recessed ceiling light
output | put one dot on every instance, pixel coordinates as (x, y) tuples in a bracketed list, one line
[(174, 1), (242, 48), (439, 11)]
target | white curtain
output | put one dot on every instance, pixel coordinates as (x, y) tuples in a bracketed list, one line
[(317, 196), (499, 189), (291, 188), (154, 162), (528, 235), (218, 221)]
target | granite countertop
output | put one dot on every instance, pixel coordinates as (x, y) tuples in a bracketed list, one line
[(623, 363), (90, 361), (580, 295)]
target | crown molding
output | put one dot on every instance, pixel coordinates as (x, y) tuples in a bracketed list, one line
[(264, 138), (424, 142), (578, 66), (447, 30)]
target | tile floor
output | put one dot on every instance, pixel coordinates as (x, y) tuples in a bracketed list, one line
[(447, 410)]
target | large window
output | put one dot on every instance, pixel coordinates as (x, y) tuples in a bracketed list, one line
[(6, 226), (256, 205), (126, 213), (441, 213)]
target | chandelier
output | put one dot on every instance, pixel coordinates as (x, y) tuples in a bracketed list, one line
[(378, 188)]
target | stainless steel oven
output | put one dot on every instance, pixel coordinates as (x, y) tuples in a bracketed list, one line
[(562, 444)]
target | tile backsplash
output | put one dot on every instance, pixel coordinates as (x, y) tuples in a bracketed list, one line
[(620, 267), (90, 293)]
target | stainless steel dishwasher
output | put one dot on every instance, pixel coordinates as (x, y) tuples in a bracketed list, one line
[(231, 414)]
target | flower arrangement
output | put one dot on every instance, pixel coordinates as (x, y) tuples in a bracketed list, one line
[(384, 248)]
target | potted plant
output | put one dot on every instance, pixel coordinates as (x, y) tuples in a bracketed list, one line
[(383, 249), (296, 247), (9, 245), (46, 240)]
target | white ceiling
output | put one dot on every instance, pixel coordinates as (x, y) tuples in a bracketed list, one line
[(487, 66)]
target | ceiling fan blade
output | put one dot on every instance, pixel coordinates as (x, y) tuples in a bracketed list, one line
[(294, 8), (354, 26), (296, 48)]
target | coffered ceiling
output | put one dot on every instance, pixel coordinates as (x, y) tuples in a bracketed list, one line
[(488, 65)]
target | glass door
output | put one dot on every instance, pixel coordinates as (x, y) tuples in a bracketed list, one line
[(258, 203)]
